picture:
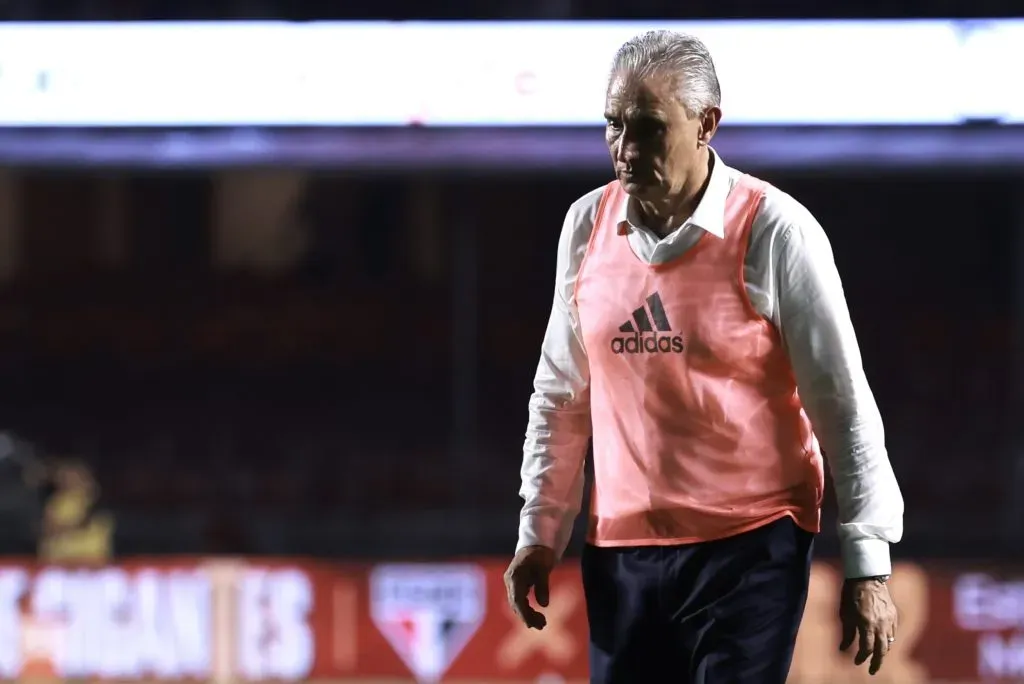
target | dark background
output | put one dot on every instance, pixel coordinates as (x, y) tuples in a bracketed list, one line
[(368, 398)]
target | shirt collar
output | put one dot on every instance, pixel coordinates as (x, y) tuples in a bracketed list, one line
[(710, 212)]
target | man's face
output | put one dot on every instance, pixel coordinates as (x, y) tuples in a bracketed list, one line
[(652, 140)]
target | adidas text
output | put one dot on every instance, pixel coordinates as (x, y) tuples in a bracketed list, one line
[(647, 344)]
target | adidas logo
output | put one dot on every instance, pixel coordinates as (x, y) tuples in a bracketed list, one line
[(645, 337)]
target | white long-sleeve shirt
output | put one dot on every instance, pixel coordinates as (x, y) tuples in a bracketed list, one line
[(792, 280)]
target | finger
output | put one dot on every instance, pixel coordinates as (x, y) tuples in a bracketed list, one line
[(881, 648), (519, 592), (867, 642), (542, 591), (513, 605), (530, 617), (510, 591), (514, 589)]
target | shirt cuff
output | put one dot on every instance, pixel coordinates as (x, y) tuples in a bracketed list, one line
[(537, 530), (866, 558)]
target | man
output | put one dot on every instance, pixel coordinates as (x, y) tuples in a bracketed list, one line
[(692, 302)]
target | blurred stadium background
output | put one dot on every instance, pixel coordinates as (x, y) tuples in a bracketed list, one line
[(272, 293)]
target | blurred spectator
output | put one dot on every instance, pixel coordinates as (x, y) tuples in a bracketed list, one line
[(73, 530), (24, 487)]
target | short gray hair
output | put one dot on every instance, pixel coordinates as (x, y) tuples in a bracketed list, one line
[(678, 54)]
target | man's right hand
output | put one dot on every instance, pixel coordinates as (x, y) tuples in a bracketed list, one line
[(530, 569)]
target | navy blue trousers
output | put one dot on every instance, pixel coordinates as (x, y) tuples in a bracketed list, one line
[(720, 612)]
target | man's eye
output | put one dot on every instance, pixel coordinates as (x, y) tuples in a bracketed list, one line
[(614, 124)]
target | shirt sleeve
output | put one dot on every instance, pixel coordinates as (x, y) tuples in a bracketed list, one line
[(558, 431), (815, 323)]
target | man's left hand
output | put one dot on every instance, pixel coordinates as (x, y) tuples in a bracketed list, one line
[(868, 615)]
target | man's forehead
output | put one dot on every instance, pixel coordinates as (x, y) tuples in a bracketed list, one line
[(645, 91)]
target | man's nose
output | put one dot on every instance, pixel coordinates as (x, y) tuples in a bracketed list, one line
[(625, 151)]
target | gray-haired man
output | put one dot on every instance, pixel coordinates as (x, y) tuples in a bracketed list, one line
[(692, 302)]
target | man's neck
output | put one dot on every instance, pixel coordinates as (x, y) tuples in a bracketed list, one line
[(665, 215)]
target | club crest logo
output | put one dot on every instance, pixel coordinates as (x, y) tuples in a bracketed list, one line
[(428, 613)]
